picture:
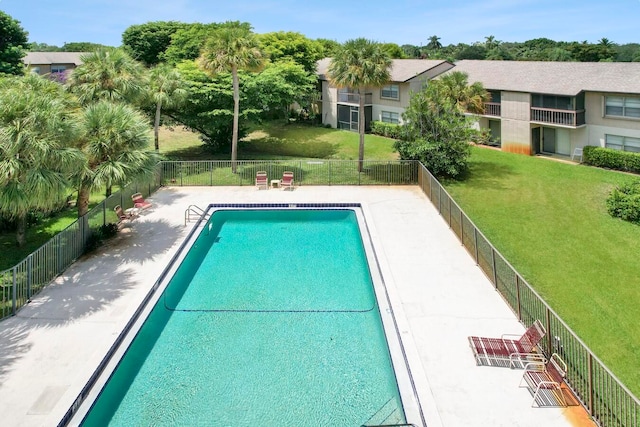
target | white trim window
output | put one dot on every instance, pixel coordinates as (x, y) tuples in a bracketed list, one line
[(390, 117), (622, 106), (624, 143), (390, 92)]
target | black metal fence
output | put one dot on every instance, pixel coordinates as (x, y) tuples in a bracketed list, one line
[(608, 401), (19, 283)]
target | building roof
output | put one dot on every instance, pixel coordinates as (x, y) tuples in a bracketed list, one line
[(46, 58), (402, 70), (558, 78)]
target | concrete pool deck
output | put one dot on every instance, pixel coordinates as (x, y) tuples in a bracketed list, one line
[(51, 348)]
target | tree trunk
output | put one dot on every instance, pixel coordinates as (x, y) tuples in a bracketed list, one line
[(156, 125), (361, 119), (83, 200), (236, 114), (21, 230)]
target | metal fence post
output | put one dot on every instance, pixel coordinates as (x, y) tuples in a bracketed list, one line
[(475, 242), (495, 271), (211, 174), (29, 274), (548, 325), (518, 298), (14, 289), (449, 198), (590, 383)]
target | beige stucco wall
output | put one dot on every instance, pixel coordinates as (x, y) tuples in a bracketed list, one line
[(376, 112), (403, 102), (329, 105), (594, 109), (515, 130), (46, 68)]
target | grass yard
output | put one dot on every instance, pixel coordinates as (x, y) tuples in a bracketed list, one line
[(277, 140), (549, 219)]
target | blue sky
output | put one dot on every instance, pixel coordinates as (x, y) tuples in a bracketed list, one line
[(401, 21)]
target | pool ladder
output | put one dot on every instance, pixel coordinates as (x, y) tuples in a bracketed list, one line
[(195, 213)]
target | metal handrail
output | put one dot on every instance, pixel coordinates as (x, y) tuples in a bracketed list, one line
[(195, 212)]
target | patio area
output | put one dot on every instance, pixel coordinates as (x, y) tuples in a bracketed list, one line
[(440, 297)]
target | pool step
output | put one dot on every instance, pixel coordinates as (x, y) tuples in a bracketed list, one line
[(388, 415)]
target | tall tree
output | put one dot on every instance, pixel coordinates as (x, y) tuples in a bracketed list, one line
[(108, 74), (187, 42), (232, 48), (434, 43), (291, 46), (436, 132), (466, 97), (13, 41), (148, 42), (115, 139), (166, 89), (35, 162), (361, 64)]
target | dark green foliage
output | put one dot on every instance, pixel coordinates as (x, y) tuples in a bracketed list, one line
[(99, 235), (437, 133), (148, 42), (624, 202), (291, 46), (611, 159), (389, 130), (187, 42), (82, 47), (13, 41)]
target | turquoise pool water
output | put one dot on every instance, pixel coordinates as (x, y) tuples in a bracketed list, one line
[(270, 320)]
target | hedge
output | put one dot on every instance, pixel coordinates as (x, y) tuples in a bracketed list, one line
[(390, 130), (611, 159)]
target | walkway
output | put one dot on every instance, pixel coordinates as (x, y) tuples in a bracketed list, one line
[(51, 348)]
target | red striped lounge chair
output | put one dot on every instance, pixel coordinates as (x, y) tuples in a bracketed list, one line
[(139, 202), (261, 180), (544, 381), (287, 180), (507, 351)]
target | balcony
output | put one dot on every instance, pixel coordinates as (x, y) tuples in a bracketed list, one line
[(354, 98), (492, 109), (558, 117)]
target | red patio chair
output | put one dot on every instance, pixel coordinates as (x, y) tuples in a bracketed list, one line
[(505, 351), (544, 381), (287, 180), (261, 180), (139, 201)]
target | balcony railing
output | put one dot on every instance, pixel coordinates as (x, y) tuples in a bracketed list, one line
[(492, 109), (558, 117), (354, 98)]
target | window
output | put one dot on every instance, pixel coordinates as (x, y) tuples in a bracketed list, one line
[(553, 102), (58, 68), (622, 106), (390, 91), (35, 70), (624, 143), (390, 117)]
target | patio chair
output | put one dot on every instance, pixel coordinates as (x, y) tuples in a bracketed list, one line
[(506, 351), (128, 215), (287, 180), (261, 180), (544, 381), (577, 152), (139, 201)]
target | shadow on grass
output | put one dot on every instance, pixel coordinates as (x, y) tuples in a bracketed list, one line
[(312, 148)]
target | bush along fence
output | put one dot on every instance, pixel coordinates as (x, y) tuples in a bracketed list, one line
[(607, 400), (21, 282)]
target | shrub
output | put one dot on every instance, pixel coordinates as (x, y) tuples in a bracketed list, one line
[(389, 130), (624, 202), (611, 159), (99, 235)]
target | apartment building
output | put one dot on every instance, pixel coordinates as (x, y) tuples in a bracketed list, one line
[(52, 62)]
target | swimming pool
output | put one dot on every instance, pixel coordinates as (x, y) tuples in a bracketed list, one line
[(270, 319)]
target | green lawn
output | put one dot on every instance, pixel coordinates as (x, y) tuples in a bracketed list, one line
[(277, 140), (550, 221)]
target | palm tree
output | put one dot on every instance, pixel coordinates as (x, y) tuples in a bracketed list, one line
[(434, 43), (109, 74), (166, 88), (468, 98), (115, 138), (361, 64), (231, 48), (490, 42), (35, 160)]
